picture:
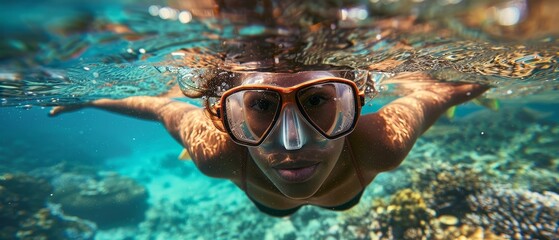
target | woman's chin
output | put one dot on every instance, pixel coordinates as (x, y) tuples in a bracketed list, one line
[(300, 194), (298, 189)]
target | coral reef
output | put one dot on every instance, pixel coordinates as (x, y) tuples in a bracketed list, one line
[(519, 214), (25, 214), (310, 222), (467, 232), (167, 219), (21, 196), (416, 201), (457, 183), (405, 217), (446, 187), (454, 202), (515, 145), (109, 201), (480, 129)]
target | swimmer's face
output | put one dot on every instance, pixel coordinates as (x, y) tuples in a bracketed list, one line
[(299, 172)]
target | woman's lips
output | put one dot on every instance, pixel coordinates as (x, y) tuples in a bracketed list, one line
[(299, 174)]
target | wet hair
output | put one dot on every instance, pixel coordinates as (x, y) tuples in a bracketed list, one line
[(207, 84)]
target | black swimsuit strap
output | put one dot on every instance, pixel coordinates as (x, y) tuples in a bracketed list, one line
[(356, 165), (244, 172)]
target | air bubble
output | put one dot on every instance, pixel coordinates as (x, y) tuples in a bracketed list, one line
[(154, 10)]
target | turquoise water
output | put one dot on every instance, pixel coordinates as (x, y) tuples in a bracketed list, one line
[(96, 175)]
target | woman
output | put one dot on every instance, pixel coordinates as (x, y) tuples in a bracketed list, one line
[(292, 139)]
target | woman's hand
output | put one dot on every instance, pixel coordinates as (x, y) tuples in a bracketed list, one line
[(55, 111)]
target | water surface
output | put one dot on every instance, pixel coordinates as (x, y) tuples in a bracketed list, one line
[(63, 53)]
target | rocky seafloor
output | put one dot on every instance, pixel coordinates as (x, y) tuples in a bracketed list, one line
[(490, 175)]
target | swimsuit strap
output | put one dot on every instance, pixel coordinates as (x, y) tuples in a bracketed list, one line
[(356, 165), (244, 172)]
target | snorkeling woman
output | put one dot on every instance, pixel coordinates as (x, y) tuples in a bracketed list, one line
[(294, 139)]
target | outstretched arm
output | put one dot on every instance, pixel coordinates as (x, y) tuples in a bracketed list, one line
[(165, 110), (383, 139), (144, 107), (210, 149)]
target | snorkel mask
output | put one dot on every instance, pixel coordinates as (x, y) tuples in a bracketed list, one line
[(256, 110)]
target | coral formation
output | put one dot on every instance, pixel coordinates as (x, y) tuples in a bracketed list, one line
[(461, 193), (446, 187), (454, 202), (109, 201), (425, 201), (467, 232), (405, 217), (230, 220), (25, 214), (519, 214), (515, 145)]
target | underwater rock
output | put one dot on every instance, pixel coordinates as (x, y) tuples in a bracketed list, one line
[(24, 213), (51, 223), (520, 214), (62, 168), (110, 201), (20, 197)]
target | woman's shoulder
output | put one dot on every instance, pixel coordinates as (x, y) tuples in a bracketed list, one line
[(210, 149)]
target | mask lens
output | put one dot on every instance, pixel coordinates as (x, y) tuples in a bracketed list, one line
[(251, 113), (330, 107)]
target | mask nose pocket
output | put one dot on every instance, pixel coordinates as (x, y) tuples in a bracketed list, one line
[(292, 134)]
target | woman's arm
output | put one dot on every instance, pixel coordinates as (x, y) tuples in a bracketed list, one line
[(383, 139), (210, 149), (144, 107)]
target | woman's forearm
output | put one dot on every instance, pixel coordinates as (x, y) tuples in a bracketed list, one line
[(420, 109), (143, 107)]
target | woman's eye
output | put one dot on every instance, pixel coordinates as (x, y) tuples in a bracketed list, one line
[(261, 105), (316, 100)]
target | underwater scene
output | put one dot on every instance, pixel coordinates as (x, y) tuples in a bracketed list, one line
[(72, 167)]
